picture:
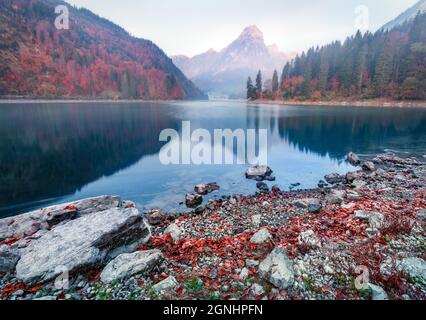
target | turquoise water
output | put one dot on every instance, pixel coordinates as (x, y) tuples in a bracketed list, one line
[(59, 152)]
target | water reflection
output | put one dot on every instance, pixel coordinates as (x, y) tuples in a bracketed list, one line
[(58, 152)]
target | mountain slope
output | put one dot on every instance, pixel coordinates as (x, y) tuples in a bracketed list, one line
[(93, 59), (226, 71), (407, 15)]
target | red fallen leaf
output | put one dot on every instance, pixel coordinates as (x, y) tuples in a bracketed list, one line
[(10, 241), (163, 276), (180, 291), (11, 222), (93, 275), (60, 296), (130, 205), (34, 289), (141, 283), (70, 208), (10, 288)]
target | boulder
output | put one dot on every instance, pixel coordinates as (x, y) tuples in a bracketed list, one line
[(261, 236), (259, 173), (193, 200), (205, 189), (9, 257), (127, 265), (315, 208), (45, 219), (353, 159), (168, 284), (376, 220), (174, 231), (88, 242), (278, 269), (390, 158)]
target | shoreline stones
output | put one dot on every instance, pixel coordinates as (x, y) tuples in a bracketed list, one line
[(335, 178)]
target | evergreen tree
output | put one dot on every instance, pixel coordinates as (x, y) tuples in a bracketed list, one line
[(275, 82), (251, 90), (259, 84)]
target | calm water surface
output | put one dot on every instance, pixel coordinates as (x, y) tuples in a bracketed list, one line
[(60, 152)]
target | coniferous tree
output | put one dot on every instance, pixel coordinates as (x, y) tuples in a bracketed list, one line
[(275, 82), (259, 84), (251, 90)]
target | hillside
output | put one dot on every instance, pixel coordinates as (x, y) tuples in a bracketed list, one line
[(387, 64), (93, 59)]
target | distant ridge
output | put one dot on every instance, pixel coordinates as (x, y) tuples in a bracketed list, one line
[(406, 15)]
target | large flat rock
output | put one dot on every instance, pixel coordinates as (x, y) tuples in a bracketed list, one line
[(87, 242), (27, 224)]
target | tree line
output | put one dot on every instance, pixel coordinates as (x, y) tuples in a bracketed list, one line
[(386, 64)]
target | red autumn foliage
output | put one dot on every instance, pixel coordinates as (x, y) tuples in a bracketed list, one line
[(70, 208), (10, 241), (11, 288)]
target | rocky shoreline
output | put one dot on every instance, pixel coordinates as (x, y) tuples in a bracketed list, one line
[(358, 236)]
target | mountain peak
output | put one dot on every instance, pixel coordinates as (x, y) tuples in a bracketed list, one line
[(252, 32)]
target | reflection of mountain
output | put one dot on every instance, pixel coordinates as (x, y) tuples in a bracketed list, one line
[(56, 150)]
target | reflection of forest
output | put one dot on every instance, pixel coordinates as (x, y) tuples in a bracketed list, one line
[(53, 150), (336, 131)]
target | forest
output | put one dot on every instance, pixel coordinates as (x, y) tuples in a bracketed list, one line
[(386, 64)]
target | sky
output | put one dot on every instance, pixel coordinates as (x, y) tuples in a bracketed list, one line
[(192, 27)]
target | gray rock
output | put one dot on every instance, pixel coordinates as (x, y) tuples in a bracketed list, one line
[(263, 187), (378, 293), (204, 189), (257, 289), (361, 215), (261, 236), (358, 184), (335, 197), (9, 257), (278, 269), (335, 178), (44, 219), (415, 268), (305, 203), (244, 274), (353, 159), (174, 231), (368, 166), (193, 200), (309, 239), (127, 265), (252, 263), (258, 172), (169, 284), (315, 208), (90, 241), (353, 196), (421, 215), (376, 220)]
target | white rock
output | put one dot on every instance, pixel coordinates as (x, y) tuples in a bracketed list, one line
[(361, 215), (335, 197), (174, 231), (256, 219), (167, 284), (258, 172), (309, 239), (127, 265), (378, 293), (376, 220), (261, 236), (257, 289), (251, 263), (415, 268), (305, 203), (244, 274), (89, 241), (278, 269)]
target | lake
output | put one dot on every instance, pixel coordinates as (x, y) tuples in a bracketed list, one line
[(59, 152)]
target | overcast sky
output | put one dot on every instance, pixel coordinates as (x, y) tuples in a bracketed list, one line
[(193, 26)]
